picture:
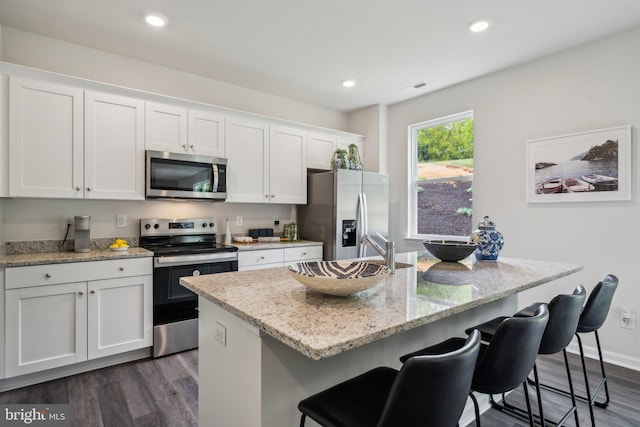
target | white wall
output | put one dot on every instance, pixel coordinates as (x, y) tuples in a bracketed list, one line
[(372, 122), (31, 50), (586, 88)]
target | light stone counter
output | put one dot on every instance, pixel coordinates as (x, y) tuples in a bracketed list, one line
[(321, 326), (256, 246), (266, 341), (65, 257)]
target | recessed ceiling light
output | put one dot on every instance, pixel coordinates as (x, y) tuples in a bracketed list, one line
[(349, 83), (479, 25), (155, 20)]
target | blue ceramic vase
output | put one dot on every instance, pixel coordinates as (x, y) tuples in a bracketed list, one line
[(489, 240)]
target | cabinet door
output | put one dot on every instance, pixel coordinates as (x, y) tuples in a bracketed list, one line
[(288, 165), (114, 147), (247, 148), (46, 327), (119, 315), (320, 149), (206, 133), (166, 128), (45, 140)]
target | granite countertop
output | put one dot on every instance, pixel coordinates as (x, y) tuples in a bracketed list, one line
[(320, 326), (255, 246), (64, 257)]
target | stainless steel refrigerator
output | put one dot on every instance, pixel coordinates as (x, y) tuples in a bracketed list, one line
[(341, 207)]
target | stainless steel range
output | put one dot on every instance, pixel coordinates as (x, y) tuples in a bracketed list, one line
[(181, 247)]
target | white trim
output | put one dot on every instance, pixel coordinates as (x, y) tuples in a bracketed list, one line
[(412, 131), (611, 357)]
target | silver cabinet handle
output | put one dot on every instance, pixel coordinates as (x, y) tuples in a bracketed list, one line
[(47, 275), (77, 188), (80, 293), (261, 257), (184, 146), (121, 268), (93, 291), (273, 195), (191, 146), (304, 254), (266, 195), (88, 188)]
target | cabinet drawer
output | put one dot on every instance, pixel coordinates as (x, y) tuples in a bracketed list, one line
[(51, 274), (268, 256), (303, 253)]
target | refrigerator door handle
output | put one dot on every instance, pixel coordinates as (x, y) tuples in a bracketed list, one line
[(362, 219)]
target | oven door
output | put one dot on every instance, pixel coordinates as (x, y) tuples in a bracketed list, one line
[(171, 301)]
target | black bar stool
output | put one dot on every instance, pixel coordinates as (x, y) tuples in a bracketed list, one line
[(564, 314), (592, 318), (429, 390), (505, 362)]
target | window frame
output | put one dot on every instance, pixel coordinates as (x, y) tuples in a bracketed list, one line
[(412, 130)]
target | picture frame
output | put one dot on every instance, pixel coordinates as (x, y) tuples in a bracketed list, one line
[(590, 166)]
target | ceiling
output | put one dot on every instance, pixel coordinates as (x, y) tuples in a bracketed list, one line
[(303, 49)]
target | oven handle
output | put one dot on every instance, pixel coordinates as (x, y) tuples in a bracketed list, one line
[(190, 259)]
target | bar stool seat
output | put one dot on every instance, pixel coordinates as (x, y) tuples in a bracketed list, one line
[(428, 390), (505, 362), (564, 313)]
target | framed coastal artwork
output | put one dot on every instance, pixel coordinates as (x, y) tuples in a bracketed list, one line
[(581, 167)]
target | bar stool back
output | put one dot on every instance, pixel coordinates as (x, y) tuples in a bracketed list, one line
[(505, 362), (427, 391)]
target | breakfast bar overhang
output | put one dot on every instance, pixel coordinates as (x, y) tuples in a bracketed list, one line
[(266, 341)]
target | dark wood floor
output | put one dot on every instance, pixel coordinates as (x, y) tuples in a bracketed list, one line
[(164, 392)]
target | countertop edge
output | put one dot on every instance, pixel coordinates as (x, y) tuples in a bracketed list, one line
[(22, 260), (322, 353)]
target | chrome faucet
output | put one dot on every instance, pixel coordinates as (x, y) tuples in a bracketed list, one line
[(389, 254)]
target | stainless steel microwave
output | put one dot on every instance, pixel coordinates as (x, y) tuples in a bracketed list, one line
[(185, 176)]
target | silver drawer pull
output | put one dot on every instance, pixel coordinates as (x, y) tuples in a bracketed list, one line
[(88, 188), (80, 293), (93, 291), (261, 257), (304, 254), (121, 269), (47, 275)]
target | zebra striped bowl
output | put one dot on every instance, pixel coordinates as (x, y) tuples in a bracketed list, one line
[(340, 278)]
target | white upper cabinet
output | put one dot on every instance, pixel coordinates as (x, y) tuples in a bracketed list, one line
[(184, 130), (166, 127), (113, 147), (267, 164), (287, 165), (206, 133), (67, 143), (320, 148), (45, 140), (247, 148)]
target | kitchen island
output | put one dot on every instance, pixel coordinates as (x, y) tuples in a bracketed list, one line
[(266, 341)]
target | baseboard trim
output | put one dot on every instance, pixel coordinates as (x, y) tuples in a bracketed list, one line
[(77, 368), (614, 358)]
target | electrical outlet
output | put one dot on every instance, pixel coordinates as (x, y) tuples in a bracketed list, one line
[(276, 221), (627, 320), (121, 220), (220, 334), (66, 221), (238, 221)]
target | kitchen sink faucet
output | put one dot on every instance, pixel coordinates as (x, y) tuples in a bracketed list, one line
[(389, 254)]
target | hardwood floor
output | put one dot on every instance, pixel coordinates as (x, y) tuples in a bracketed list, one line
[(163, 392), (624, 389), (159, 392)]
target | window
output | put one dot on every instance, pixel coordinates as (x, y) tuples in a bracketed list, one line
[(441, 167)]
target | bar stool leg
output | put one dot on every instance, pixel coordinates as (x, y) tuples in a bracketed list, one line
[(573, 395), (586, 382), (476, 408), (526, 397), (302, 418), (537, 380), (604, 378)]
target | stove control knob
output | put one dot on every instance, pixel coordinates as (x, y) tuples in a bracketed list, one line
[(204, 225), (156, 226), (148, 226), (211, 224)]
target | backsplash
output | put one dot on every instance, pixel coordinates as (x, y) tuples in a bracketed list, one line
[(42, 246)]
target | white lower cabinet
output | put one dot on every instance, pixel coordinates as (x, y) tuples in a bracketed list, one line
[(52, 319), (269, 258)]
